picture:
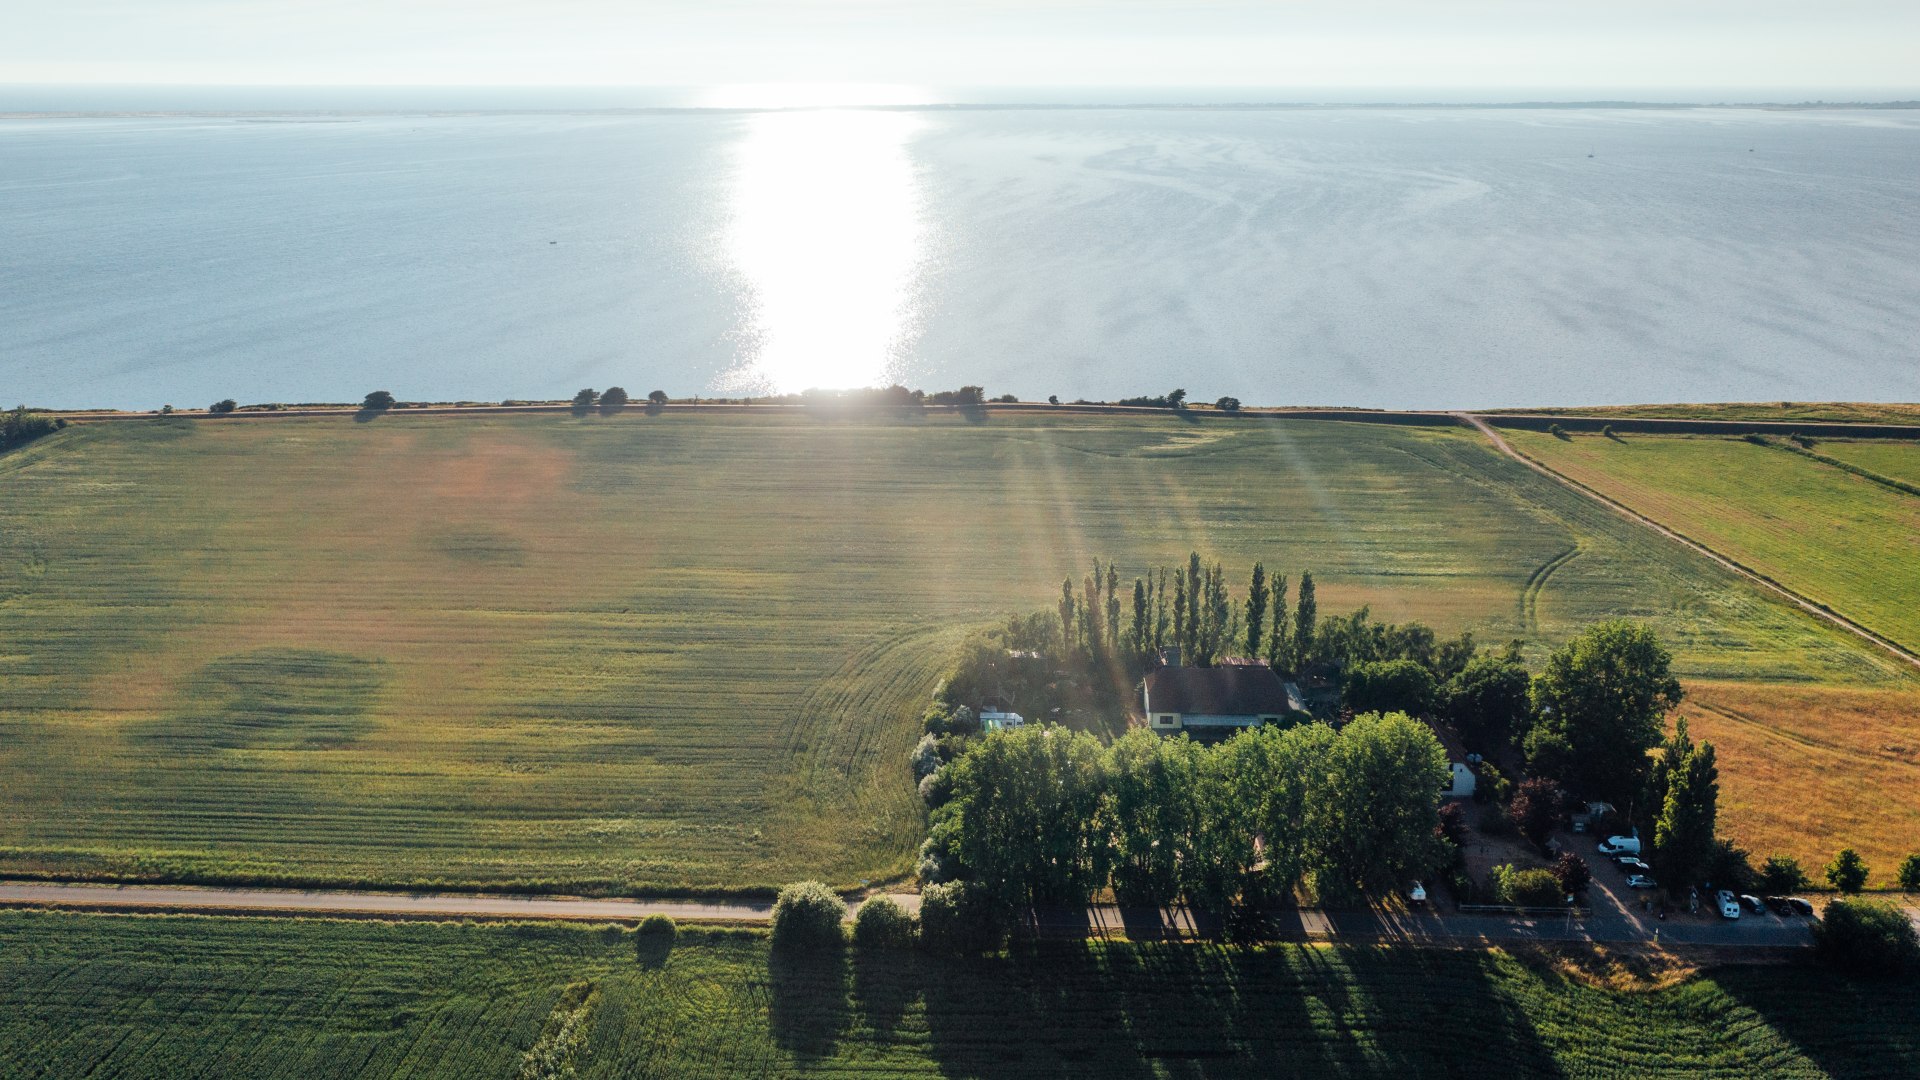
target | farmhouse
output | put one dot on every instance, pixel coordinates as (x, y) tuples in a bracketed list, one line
[(1460, 764), (1213, 700)]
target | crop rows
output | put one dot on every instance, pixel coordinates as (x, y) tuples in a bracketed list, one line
[(233, 998), (679, 651)]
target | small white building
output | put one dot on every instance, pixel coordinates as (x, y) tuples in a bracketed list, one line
[(995, 720)]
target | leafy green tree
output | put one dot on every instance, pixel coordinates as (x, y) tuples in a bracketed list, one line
[(1277, 638), (1280, 786), (1228, 404), (807, 916), (1909, 875), (1847, 872), (657, 397), (1488, 702), (1526, 888), (959, 917), (1113, 608), (615, 397), (1781, 874), (1374, 818), (1599, 705), (1683, 841), (1028, 808), (1390, 686), (1190, 647), (20, 426), (223, 406), (1219, 858), (1150, 784), (585, 400), (1306, 613), (881, 923), (1867, 937), (378, 401), (1176, 399), (1257, 610), (1067, 621)]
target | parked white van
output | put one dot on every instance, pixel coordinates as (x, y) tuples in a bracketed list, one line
[(1620, 845)]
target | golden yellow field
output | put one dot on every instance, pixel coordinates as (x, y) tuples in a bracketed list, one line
[(1806, 771)]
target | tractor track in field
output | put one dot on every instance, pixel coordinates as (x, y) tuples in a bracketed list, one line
[(1805, 603)]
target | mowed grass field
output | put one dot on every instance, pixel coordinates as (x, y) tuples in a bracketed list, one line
[(682, 652), (1828, 534), (107, 996), (1895, 460)]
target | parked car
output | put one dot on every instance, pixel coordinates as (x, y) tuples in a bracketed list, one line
[(1619, 845), (1779, 905), (1631, 865), (1797, 906), (1753, 903), (1417, 895), (1641, 881), (1729, 907)]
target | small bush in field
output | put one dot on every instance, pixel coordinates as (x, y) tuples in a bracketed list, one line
[(807, 916), (882, 923)]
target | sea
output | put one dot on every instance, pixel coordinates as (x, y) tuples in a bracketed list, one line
[(1400, 256)]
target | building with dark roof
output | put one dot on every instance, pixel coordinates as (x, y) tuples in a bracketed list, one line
[(1216, 700)]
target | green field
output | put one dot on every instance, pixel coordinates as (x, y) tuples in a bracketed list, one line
[(1828, 534), (1895, 460), (683, 652), (107, 996), (1840, 412)]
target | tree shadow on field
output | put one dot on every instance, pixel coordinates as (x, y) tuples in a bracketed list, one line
[(1848, 1025), (808, 1011), (1207, 1010), (885, 984)]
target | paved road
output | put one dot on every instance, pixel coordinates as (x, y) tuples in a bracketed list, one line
[(1806, 604), (1609, 921), (340, 902)]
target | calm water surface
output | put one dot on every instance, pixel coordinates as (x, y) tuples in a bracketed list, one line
[(1409, 258)]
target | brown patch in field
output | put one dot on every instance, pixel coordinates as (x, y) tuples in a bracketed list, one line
[(1806, 771), (1629, 968)]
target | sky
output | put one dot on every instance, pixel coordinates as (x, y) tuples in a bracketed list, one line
[(1583, 45)]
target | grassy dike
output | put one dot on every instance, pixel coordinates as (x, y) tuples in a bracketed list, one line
[(111, 996)]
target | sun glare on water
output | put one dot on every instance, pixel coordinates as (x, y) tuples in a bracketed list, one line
[(825, 234)]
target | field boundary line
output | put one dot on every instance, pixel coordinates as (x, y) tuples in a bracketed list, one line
[(1805, 603)]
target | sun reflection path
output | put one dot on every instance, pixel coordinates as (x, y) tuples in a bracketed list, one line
[(826, 233)]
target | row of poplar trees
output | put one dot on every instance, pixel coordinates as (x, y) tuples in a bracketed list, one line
[(1190, 608)]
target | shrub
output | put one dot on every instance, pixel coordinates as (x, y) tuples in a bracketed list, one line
[(1571, 872), (223, 406), (1525, 888), (1053, 399), (1847, 872), (807, 916), (1867, 937), (585, 399), (958, 917), (1780, 874), (1453, 824), (657, 925), (1536, 809), (20, 427), (1228, 404), (1390, 686), (614, 398), (936, 788), (926, 757), (1910, 873), (1756, 439), (1557, 431), (378, 400), (882, 924), (1007, 399)]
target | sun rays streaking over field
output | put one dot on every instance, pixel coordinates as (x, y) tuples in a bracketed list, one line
[(825, 234)]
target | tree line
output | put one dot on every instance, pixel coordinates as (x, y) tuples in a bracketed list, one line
[(1043, 817), (19, 426)]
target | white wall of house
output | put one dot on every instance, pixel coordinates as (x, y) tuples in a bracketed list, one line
[(1463, 780)]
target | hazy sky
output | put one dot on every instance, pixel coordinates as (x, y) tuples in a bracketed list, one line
[(1266, 43)]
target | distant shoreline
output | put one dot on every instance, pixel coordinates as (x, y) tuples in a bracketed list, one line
[(1037, 106)]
